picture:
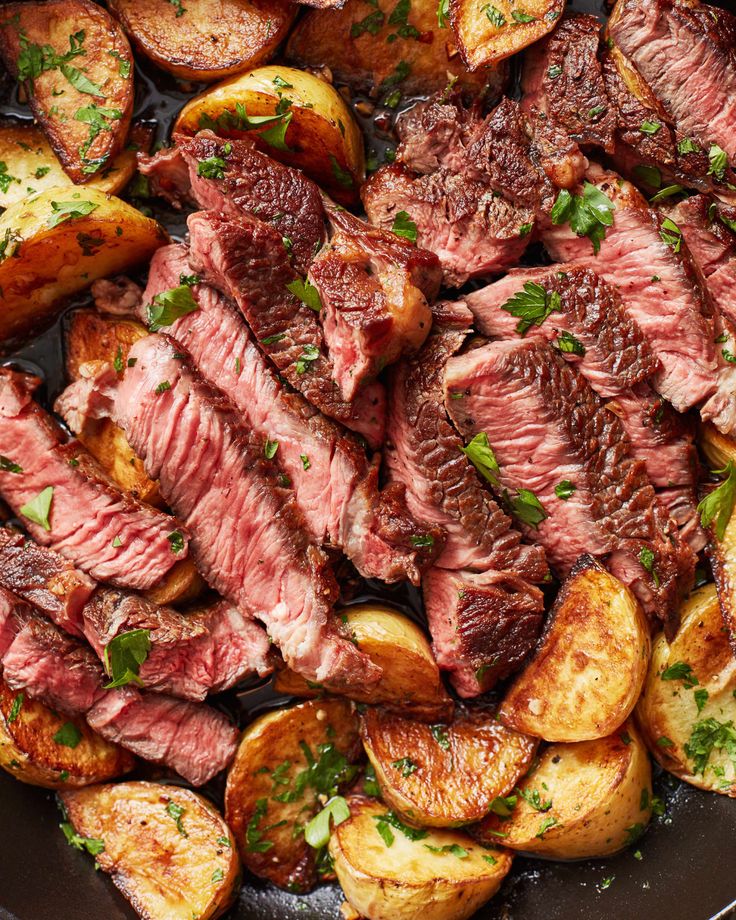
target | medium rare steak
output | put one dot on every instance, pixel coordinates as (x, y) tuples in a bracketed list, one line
[(45, 579), (13, 614), (548, 429), (247, 261), (335, 485), (105, 532)]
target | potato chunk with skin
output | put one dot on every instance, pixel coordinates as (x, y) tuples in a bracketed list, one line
[(205, 39), (57, 243), (445, 775), (587, 673), (295, 117), (588, 798), (77, 69), (286, 761), (427, 875), (488, 33), (411, 682), (167, 848), (687, 711), (31, 748)]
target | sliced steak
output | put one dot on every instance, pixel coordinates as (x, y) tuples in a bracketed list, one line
[(13, 614), (168, 175), (546, 427), (45, 579), (105, 532), (483, 624), (195, 740), (247, 261), (658, 285), (191, 654), (117, 296), (335, 485), (562, 80)]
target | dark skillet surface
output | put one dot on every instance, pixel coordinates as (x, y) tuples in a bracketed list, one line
[(686, 871)]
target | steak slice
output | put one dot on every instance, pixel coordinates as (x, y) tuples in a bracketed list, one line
[(335, 485), (658, 285), (191, 738), (191, 654), (13, 614), (562, 80), (247, 261), (546, 427), (44, 579), (105, 532)]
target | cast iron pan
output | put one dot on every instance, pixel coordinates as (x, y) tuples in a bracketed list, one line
[(686, 869)]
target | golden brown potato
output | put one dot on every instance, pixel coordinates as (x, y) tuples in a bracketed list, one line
[(587, 673), (180, 585), (76, 67), (354, 43), (444, 775), (687, 710), (166, 848), (205, 39), (411, 681), (588, 798), (489, 32), (286, 760), (389, 871), (31, 751), (57, 243), (718, 448), (308, 124)]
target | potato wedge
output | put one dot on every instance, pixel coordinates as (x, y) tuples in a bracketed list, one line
[(591, 663), (718, 448), (427, 875), (354, 43), (287, 759), (30, 752), (487, 33), (182, 584), (588, 798), (166, 848), (76, 66), (57, 243), (687, 711), (205, 39), (411, 681), (315, 131), (444, 775)]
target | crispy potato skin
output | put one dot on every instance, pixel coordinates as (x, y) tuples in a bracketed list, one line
[(29, 753), (482, 42), (718, 448), (364, 61), (106, 48), (408, 881), (42, 265), (411, 682), (270, 757), (600, 793), (323, 138), (164, 873), (667, 712), (442, 776), (212, 39), (588, 671)]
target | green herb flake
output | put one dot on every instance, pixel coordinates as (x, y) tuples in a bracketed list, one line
[(217, 876), (69, 210), (443, 14), (532, 306), (588, 214), (317, 831), (423, 541), (545, 826), (718, 160), (521, 17), (480, 453), (9, 466), (687, 145), (680, 670), (306, 292), (68, 735), (664, 742), (707, 736), (310, 354), (503, 806), (527, 508), (719, 503), (495, 16), (649, 127), (91, 844), (649, 175), (39, 508), (568, 344), (124, 655), (454, 849), (564, 489), (176, 541), (441, 736), (212, 168), (405, 766), (667, 192), (169, 306), (270, 448), (371, 24), (162, 387), (646, 558), (533, 798), (671, 234), (554, 71), (177, 812), (404, 226), (15, 708), (701, 698)]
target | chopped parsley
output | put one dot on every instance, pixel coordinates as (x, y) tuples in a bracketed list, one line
[(649, 127), (480, 453), (169, 306), (305, 461), (503, 806), (385, 822), (69, 210), (534, 800), (521, 17), (454, 849), (646, 558), (177, 812), (179, 7), (564, 489), (212, 168), (423, 541), (317, 831), (405, 766), (123, 64), (97, 118), (8, 466), (532, 306), (68, 735), (176, 541), (545, 826), (306, 292), (708, 736), (371, 24), (588, 214), (124, 655), (162, 387), (680, 670), (5, 177), (443, 14), (310, 354), (495, 16), (15, 707), (39, 508), (440, 735), (701, 698), (719, 503), (687, 145), (671, 234), (404, 226), (718, 160), (527, 508), (568, 344), (270, 448), (91, 844)]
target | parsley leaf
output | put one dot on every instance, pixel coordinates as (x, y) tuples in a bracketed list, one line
[(383, 821), (454, 849), (372, 24), (527, 508), (520, 17), (177, 812), (68, 210), (480, 453), (124, 655), (534, 800), (708, 736), (718, 159), (15, 707), (8, 466), (406, 766), (687, 145), (310, 354), (306, 292), (404, 226), (532, 306), (212, 168), (38, 508), (649, 127), (503, 806), (646, 558), (701, 698), (176, 540), (564, 490), (680, 670), (443, 14), (545, 826), (671, 234), (317, 831), (169, 306), (270, 448), (568, 344), (91, 844), (68, 735), (719, 503), (495, 16), (588, 214)]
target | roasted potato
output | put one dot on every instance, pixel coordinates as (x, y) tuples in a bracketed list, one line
[(205, 39), (587, 673), (718, 448), (286, 761), (308, 124), (588, 798), (392, 872), (489, 32), (372, 49), (58, 242), (687, 711), (444, 775), (166, 848), (30, 751), (411, 680), (76, 66)]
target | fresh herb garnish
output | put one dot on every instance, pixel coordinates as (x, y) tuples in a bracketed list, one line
[(649, 127), (169, 306), (701, 698), (91, 844), (405, 765), (404, 226), (212, 168), (423, 541), (440, 735), (588, 214), (719, 503), (372, 24), (480, 453), (708, 736), (176, 541), (124, 655), (385, 822), (532, 306), (534, 800), (527, 508), (317, 831), (69, 210), (68, 735), (310, 354), (495, 16), (443, 14), (15, 707), (520, 17), (545, 826), (687, 145), (8, 466), (680, 670), (646, 558), (177, 812), (454, 849), (270, 448), (503, 806), (564, 489), (671, 234), (568, 344), (38, 508), (718, 160), (306, 292)]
